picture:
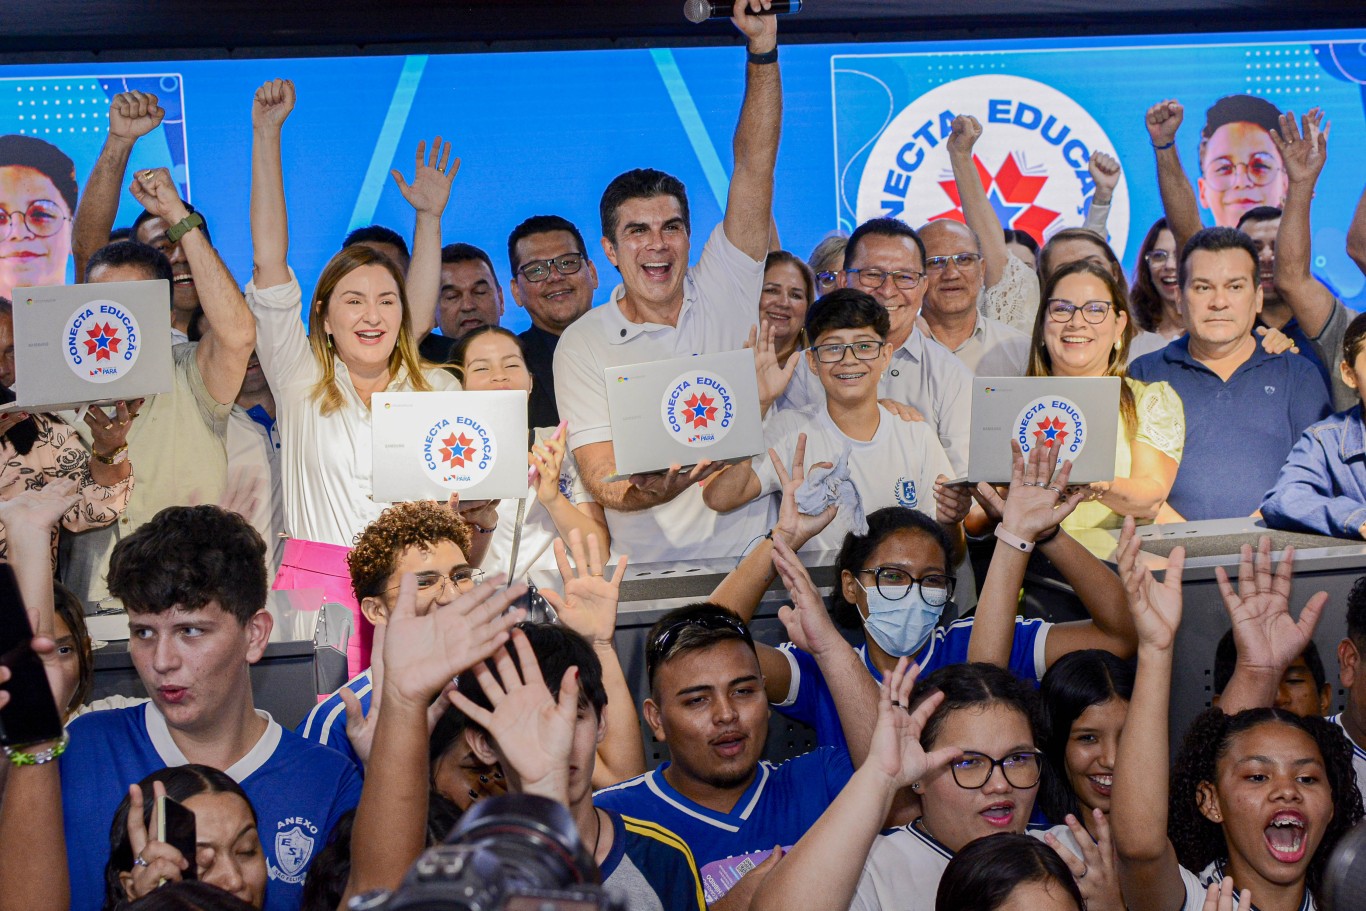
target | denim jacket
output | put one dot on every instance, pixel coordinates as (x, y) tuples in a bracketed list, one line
[(1322, 487)]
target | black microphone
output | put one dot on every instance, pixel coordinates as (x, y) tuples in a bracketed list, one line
[(702, 10)]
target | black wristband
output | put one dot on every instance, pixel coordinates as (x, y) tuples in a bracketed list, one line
[(763, 59), (1044, 539)]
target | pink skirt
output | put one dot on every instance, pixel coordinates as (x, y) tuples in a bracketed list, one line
[(310, 564)]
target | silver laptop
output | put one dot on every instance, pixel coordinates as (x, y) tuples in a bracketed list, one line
[(683, 410), (92, 344), (1081, 414), (428, 445)]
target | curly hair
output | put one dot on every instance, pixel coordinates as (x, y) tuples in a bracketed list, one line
[(420, 523), (1200, 842)]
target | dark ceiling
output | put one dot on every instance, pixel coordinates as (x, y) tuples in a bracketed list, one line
[(66, 30)]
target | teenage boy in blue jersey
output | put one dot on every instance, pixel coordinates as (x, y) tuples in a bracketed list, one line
[(707, 703), (193, 580)]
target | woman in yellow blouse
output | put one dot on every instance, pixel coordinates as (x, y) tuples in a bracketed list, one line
[(1084, 329)]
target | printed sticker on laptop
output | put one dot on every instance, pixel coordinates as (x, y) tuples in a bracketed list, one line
[(1052, 419), (458, 452), (698, 408), (101, 341)]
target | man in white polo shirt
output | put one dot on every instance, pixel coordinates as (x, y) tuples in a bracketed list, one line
[(663, 309)]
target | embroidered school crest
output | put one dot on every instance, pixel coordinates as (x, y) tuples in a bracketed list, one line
[(905, 493), (293, 849)]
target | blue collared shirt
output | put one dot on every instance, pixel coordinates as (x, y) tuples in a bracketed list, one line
[(1322, 487), (1239, 431)]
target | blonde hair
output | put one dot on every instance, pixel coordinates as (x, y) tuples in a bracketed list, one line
[(1041, 362), (404, 356)]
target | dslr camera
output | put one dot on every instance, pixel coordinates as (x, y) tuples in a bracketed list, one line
[(513, 853)]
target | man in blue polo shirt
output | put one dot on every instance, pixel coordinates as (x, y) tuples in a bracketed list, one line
[(707, 703), (194, 582), (1244, 408)]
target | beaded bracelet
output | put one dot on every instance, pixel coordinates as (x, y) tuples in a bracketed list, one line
[(42, 757)]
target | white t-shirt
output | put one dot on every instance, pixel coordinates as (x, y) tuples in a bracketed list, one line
[(536, 549), (1196, 886), (897, 467), (904, 868), (720, 304), (1358, 754), (325, 458), (994, 349), (923, 374)]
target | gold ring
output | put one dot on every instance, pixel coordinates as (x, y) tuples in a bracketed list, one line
[(108, 426), (598, 574)]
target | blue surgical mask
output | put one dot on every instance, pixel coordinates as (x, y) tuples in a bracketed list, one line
[(901, 627)]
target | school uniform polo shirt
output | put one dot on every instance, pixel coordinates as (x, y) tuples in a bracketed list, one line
[(720, 304), (923, 374), (1239, 431)]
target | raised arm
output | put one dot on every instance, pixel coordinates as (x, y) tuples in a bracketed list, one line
[(421, 655), (269, 219), (1356, 234), (1149, 873), (1267, 638), (132, 115), (223, 353), (972, 197), (589, 608), (1178, 196), (427, 194), (810, 628), (749, 205), (823, 869), (1304, 155), (1104, 170)]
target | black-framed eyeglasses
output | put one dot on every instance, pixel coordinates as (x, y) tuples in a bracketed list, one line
[(894, 583), (463, 578), (538, 270), (1060, 311), (662, 642), (872, 279), (1021, 769), (1158, 257), (43, 217), (960, 260), (826, 280), (833, 353)]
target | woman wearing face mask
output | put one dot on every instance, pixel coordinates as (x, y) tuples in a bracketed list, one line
[(228, 848), (973, 762), (1085, 698)]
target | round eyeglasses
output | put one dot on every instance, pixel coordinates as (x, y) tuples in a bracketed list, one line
[(826, 281), (1260, 169), (1060, 311), (960, 261), (894, 583), (462, 578), (43, 218), (538, 270), (1021, 769)]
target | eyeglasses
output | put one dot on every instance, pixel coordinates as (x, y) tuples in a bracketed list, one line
[(662, 642), (960, 260), (538, 270), (43, 217), (894, 583), (1157, 257), (872, 279), (1060, 311), (462, 578), (1260, 169), (826, 281), (834, 353), (1021, 769)]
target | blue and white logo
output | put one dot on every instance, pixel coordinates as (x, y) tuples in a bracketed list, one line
[(293, 849), (905, 493), (458, 452), (698, 408), (1052, 419), (101, 341), (1032, 156)]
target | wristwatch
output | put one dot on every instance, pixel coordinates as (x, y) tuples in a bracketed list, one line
[(117, 457), (187, 224)]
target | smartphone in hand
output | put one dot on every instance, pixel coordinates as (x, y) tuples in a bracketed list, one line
[(173, 824), (31, 716)]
